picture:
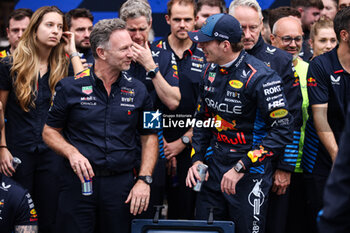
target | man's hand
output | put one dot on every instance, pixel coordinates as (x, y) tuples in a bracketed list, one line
[(139, 197), (230, 180), (6, 162), (143, 56), (193, 174), (281, 181), (81, 166), (174, 148)]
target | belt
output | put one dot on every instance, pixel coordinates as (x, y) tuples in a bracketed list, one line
[(103, 172)]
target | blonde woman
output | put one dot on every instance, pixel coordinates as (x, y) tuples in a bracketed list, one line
[(322, 37), (27, 82)]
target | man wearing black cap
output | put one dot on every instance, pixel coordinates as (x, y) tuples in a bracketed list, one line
[(247, 97)]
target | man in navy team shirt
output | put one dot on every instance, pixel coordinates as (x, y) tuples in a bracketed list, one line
[(93, 123), (177, 141), (328, 88), (80, 22), (156, 68), (17, 24)]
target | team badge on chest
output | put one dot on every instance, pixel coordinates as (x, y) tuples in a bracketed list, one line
[(87, 90), (211, 77)]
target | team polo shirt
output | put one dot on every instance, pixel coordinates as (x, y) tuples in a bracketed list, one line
[(327, 82), (24, 129), (16, 206), (103, 128), (165, 60), (189, 72)]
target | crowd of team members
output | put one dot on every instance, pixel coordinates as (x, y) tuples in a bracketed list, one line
[(281, 103)]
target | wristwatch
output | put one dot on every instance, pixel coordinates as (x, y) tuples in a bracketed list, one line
[(238, 167), (185, 140), (147, 179), (152, 73)]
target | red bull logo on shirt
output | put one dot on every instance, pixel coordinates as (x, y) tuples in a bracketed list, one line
[(311, 82), (176, 74), (223, 71), (33, 216), (82, 74), (296, 81), (225, 125), (237, 138), (3, 54), (260, 154)]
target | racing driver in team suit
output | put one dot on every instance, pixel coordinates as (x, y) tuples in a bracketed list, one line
[(247, 97)]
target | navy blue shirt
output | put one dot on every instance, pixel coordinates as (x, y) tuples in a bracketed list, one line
[(23, 129), (336, 211), (327, 82), (86, 54), (165, 60), (242, 98), (16, 205), (189, 72), (282, 63), (103, 128)]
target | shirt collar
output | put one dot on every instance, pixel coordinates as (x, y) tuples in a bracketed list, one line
[(233, 64), (95, 79), (257, 46), (187, 52), (229, 63)]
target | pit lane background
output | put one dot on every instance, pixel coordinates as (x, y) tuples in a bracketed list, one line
[(102, 9)]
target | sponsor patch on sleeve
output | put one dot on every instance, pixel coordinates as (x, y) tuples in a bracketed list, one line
[(82, 74)]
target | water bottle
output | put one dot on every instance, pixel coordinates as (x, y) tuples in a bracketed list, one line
[(202, 170)]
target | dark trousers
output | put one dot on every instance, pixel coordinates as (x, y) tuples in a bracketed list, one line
[(296, 219), (39, 173), (315, 185), (287, 212), (247, 208), (103, 211), (181, 199), (277, 212)]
